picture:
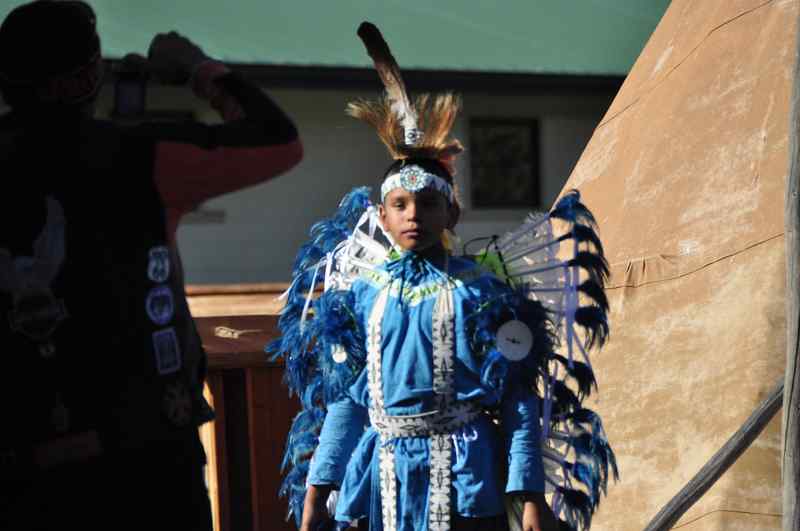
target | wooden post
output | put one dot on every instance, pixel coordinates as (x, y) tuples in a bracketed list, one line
[(791, 400), (213, 437), (270, 415)]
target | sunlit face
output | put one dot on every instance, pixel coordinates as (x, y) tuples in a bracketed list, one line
[(416, 220)]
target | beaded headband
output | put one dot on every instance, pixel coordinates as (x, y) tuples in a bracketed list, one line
[(414, 178)]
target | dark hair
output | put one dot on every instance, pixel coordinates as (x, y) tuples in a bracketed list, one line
[(49, 53)]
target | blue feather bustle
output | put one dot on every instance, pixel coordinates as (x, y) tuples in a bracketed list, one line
[(581, 459), (306, 346)]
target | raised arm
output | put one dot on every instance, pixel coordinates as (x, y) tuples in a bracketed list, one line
[(195, 162), (192, 161)]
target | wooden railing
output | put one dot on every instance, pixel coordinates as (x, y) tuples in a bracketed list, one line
[(253, 411)]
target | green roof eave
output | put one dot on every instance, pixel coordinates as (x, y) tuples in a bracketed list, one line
[(571, 37)]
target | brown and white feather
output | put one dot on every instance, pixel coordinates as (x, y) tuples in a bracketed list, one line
[(391, 115)]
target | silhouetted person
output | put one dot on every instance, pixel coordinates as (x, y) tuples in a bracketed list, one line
[(102, 365)]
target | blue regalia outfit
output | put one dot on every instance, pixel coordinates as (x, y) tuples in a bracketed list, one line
[(434, 389), (421, 380)]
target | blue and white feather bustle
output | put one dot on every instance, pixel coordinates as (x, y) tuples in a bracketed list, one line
[(558, 279)]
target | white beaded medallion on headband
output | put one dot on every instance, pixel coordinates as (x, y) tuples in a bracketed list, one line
[(414, 178)]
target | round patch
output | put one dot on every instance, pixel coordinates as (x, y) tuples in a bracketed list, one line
[(36, 313), (158, 264), (339, 354), (160, 305), (514, 340), (178, 404)]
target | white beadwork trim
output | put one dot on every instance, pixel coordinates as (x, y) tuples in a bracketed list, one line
[(439, 503), (446, 421), (374, 337), (438, 426), (443, 337), (388, 480)]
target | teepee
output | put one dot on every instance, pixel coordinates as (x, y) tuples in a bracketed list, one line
[(687, 175)]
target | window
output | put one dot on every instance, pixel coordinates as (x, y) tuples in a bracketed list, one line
[(505, 163)]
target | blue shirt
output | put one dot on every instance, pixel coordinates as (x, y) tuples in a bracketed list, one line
[(487, 460)]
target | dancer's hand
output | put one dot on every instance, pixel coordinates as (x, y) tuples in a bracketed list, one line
[(536, 514), (315, 511), (172, 58)]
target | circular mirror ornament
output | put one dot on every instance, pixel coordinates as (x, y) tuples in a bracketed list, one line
[(514, 340)]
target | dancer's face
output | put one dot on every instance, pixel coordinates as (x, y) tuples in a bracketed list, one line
[(416, 220)]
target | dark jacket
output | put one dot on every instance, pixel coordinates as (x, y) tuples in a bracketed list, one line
[(95, 332)]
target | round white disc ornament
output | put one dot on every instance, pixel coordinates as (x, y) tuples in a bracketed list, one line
[(514, 340), (339, 354)]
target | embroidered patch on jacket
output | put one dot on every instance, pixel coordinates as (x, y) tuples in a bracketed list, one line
[(177, 404), (36, 313), (160, 305), (167, 351), (158, 265)]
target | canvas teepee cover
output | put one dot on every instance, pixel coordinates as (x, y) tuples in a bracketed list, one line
[(686, 174)]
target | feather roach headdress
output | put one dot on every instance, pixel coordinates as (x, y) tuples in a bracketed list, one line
[(409, 129)]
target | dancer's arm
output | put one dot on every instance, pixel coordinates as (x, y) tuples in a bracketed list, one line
[(520, 416), (343, 426)]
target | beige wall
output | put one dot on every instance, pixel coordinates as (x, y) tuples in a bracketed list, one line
[(263, 226)]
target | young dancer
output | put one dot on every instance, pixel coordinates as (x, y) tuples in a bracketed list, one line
[(426, 377)]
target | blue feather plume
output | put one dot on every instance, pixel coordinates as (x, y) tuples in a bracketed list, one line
[(309, 370), (569, 208), (593, 320), (581, 374), (594, 264), (578, 507), (595, 292), (586, 234)]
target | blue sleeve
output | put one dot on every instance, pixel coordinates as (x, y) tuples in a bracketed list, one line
[(520, 419), (343, 426), (364, 294)]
